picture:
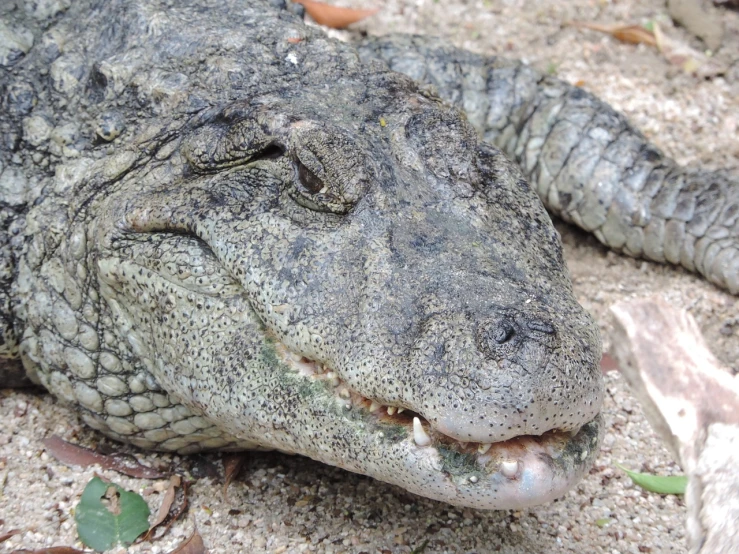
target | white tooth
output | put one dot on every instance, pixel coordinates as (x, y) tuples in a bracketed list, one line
[(483, 448), (462, 445), (401, 410), (344, 393), (332, 378), (509, 468), (473, 478), (584, 454), (374, 406), (391, 410), (419, 435)]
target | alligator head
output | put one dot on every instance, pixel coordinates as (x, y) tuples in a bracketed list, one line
[(351, 276), (370, 286)]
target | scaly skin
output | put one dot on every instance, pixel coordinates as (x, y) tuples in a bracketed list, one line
[(223, 230), (587, 163)]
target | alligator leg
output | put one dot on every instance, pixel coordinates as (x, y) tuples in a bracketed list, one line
[(588, 164)]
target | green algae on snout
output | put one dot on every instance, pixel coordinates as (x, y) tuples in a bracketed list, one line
[(455, 463)]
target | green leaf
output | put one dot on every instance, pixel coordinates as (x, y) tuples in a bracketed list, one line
[(656, 483), (102, 526)]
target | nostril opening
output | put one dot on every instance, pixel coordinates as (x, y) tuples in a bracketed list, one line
[(541, 326), (503, 333)]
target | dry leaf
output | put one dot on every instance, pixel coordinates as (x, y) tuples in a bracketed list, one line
[(231, 466), (633, 34), (193, 545), (166, 515), (334, 16), (13, 532), (73, 454), (167, 500)]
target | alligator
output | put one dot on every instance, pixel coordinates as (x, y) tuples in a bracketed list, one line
[(223, 230)]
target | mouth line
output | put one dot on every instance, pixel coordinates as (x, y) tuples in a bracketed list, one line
[(503, 454)]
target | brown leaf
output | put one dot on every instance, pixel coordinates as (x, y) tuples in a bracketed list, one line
[(52, 550), (334, 16), (167, 515), (73, 454), (633, 34), (13, 532), (232, 464), (167, 500), (193, 545)]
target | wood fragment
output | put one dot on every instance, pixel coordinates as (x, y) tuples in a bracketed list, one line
[(691, 401)]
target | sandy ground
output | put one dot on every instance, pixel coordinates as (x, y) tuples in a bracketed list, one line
[(284, 504)]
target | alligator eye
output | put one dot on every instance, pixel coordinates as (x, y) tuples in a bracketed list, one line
[(310, 182)]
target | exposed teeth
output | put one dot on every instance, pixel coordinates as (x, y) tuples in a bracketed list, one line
[(473, 478), (419, 435), (332, 378), (509, 468), (483, 448), (348, 399)]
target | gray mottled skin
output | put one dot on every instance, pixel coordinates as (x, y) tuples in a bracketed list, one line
[(221, 229)]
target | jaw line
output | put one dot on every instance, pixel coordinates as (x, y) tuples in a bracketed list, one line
[(517, 473)]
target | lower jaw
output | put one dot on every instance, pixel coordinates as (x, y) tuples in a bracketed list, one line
[(514, 474)]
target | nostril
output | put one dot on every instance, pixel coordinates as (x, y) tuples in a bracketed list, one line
[(541, 326), (503, 332), (497, 336)]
